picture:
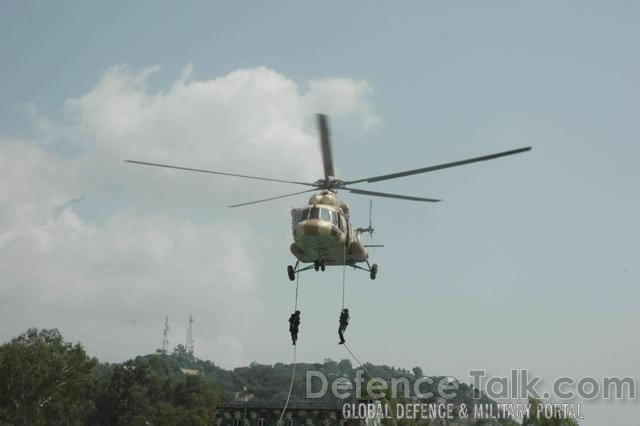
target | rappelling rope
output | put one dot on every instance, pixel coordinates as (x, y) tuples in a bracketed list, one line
[(344, 269), (295, 306), (393, 417), (293, 374)]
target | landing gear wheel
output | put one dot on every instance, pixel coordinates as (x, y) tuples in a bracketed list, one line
[(322, 266), (291, 273), (373, 272), (316, 265)]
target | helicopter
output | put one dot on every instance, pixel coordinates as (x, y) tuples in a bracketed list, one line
[(322, 231)]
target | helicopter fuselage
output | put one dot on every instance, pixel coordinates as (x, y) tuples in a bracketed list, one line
[(322, 233)]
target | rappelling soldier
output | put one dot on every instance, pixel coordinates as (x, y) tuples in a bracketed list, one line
[(294, 325), (344, 322)]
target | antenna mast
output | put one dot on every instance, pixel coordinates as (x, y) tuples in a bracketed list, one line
[(189, 345), (165, 336)]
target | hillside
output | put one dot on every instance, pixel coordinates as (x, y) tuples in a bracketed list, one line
[(46, 380)]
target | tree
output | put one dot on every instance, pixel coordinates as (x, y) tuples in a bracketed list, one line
[(143, 391), (345, 367), (45, 379), (555, 420)]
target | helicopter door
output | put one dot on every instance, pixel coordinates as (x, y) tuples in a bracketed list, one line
[(342, 223), (347, 229)]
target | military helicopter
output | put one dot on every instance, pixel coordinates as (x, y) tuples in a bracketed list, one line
[(322, 232)]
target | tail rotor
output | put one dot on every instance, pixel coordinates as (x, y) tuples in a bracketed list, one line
[(370, 229)]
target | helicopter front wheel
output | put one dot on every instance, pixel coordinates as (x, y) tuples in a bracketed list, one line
[(291, 273), (374, 271)]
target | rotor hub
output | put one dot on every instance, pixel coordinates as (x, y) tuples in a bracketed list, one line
[(330, 184)]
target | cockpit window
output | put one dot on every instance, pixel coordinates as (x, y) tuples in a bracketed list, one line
[(300, 215), (325, 214), (314, 213), (317, 213)]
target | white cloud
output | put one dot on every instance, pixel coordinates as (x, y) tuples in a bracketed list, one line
[(340, 97), (250, 119), (107, 270), (99, 279), (33, 183)]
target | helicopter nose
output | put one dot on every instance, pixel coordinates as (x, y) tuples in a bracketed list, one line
[(308, 228), (315, 229)]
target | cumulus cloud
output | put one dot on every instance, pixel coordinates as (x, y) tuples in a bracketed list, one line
[(130, 270), (108, 268), (33, 183), (341, 96)]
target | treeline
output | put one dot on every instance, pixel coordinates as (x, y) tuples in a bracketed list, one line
[(45, 380)]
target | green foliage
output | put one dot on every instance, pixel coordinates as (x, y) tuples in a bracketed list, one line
[(45, 379), (148, 390), (555, 420), (417, 371)]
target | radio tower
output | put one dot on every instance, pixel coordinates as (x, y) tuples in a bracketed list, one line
[(165, 336), (189, 345)]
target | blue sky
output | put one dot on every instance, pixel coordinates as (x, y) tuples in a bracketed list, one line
[(530, 261)]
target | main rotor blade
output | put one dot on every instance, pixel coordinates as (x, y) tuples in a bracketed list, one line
[(272, 198), (216, 173), (384, 194), (325, 145), (439, 166)]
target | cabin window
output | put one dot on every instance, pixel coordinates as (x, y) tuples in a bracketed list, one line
[(342, 224)]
